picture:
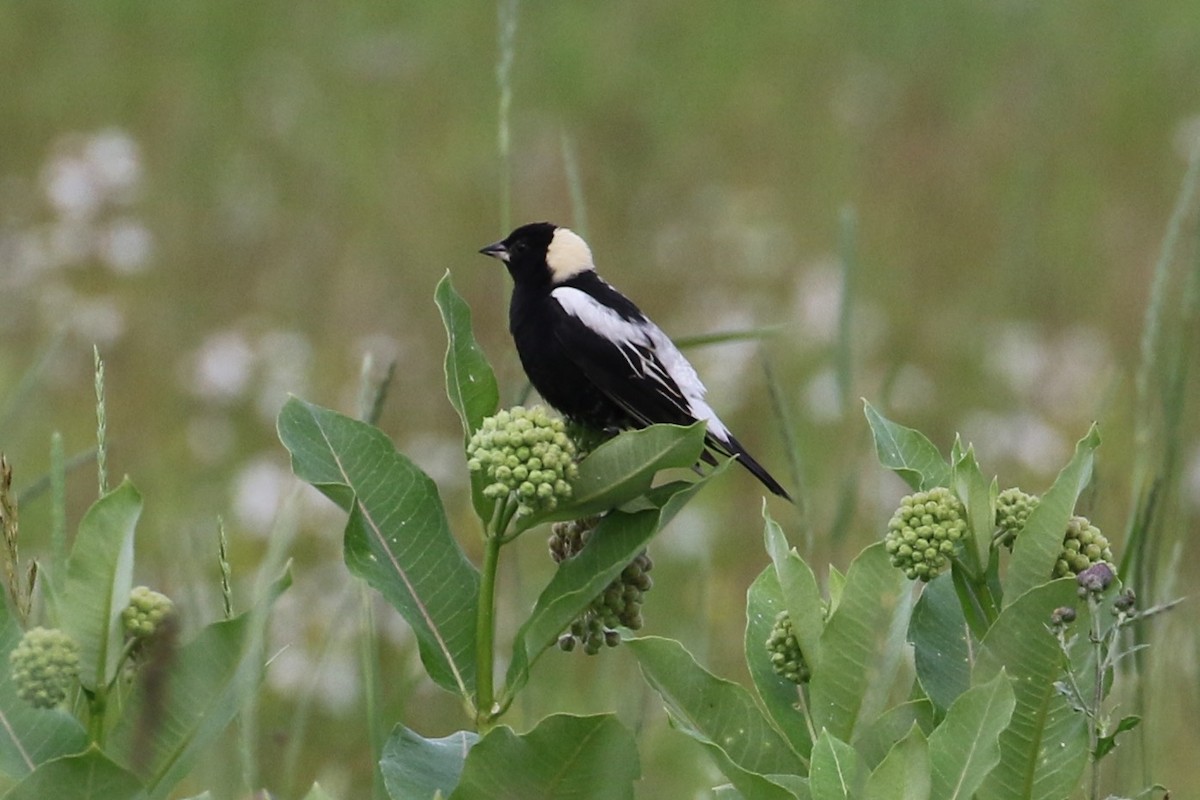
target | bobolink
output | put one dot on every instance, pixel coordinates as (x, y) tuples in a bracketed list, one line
[(592, 354)]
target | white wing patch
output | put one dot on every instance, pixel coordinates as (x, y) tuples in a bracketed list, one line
[(647, 350)]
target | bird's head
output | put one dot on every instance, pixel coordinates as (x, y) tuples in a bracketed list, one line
[(542, 253)]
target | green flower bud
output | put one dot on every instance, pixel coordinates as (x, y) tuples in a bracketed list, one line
[(145, 612), (1013, 508), (784, 651), (512, 448), (618, 605), (1083, 547), (924, 532), (45, 665)]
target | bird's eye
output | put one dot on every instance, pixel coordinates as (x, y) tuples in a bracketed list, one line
[(516, 247)]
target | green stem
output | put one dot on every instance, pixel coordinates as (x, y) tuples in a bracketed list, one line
[(976, 598), (485, 620), (1097, 638), (96, 705)]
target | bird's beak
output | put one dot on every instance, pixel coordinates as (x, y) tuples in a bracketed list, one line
[(496, 250)]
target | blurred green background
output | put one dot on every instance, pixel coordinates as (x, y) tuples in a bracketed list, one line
[(235, 201)]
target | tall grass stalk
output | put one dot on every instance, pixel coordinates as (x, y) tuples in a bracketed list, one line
[(28, 382), (507, 23), (275, 561), (579, 220), (1168, 347), (58, 508), (101, 425)]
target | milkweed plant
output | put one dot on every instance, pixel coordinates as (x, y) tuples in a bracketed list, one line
[(969, 652)]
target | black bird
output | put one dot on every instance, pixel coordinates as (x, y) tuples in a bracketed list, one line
[(592, 354)]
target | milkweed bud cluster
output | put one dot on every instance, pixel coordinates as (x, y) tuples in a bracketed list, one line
[(784, 650), (619, 605), (45, 664), (145, 612), (924, 532), (1013, 508), (1084, 546), (526, 453)]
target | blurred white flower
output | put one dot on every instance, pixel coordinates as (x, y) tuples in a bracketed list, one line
[(113, 157), (222, 366), (71, 188), (126, 246), (258, 489)]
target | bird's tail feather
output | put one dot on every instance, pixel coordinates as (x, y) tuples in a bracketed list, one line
[(735, 449)]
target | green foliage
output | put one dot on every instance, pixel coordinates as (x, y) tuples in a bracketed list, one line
[(563, 756), (398, 539), (1002, 704), (139, 741)]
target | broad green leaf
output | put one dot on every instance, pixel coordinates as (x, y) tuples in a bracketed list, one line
[(780, 697), (622, 469), (862, 646), (837, 771), (579, 580), (876, 739), (942, 643), (397, 537), (87, 776), (29, 736), (965, 747), (563, 757), (801, 595), (99, 579), (470, 382), (721, 715), (1040, 541), (904, 772), (1045, 747), (165, 727), (907, 452), (979, 497), (416, 768)]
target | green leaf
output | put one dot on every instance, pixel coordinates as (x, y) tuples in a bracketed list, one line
[(801, 595), (780, 697), (1040, 541), (165, 727), (877, 738), (862, 646), (907, 452), (1105, 744), (29, 736), (416, 768), (317, 793), (904, 772), (942, 643), (721, 715), (837, 772), (965, 747), (86, 776), (623, 468), (99, 579), (979, 497), (470, 382), (1045, 747), (564, 757), (579, 580), (397, 537)]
